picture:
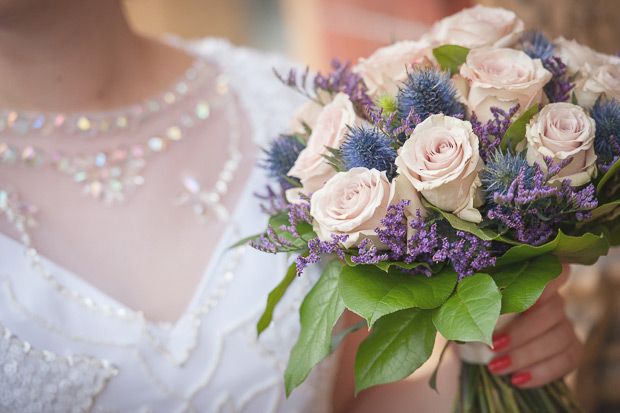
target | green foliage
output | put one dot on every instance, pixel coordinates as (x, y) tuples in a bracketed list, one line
[(397, 346), (522, 283), (373, 293), (274, 298), (450, 57), (516, 131), (584, 249), (471, 313), (319, 312)]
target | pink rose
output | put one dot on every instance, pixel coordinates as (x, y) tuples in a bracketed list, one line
[(560, 131), (308, 113), (441, 160), (502, 78), (329, 131), (598, 74), (352, 203), (475, 27), (387, 66)]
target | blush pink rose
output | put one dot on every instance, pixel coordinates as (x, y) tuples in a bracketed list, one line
[(329, 131), (560, 131), (352, 203), (502, 78), (441, 160), (387, 67), (475, 27)]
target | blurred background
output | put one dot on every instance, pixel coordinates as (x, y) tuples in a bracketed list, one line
[(313, 31)]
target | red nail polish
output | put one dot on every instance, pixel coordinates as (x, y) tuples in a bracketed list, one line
[(500, 363), (500, 341), (520, 378)]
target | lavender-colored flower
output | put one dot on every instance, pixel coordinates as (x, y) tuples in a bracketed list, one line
[(533, 210), (280, 158), (606, 114), (316, 248), (342, 79), (274, 202), (494, 130), (561, 84), (369, 148), (536, 45), (428, 91), (368, 253)]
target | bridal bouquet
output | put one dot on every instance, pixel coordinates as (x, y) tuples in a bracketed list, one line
[(449, 178)]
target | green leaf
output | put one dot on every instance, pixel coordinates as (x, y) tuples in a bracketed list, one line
[(373, 293), (318, 314), (244, 241), (516, 131), (471, 313), (304, 229), (608, 175), (450, 57), (387, 265), (467, 226), (584, 249), (522, 283), (337, 338), (274, 298), (397, 346)]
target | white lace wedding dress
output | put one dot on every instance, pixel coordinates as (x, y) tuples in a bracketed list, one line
[(67, 346)]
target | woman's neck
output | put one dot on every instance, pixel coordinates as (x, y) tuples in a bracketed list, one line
[(78, 55)]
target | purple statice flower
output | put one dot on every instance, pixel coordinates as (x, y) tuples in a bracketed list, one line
[(428, 91), (296, 81), (407, 126), (393, 232), (271, 242), (558, 89), (342, 79), (273, 202), (280, 158), (298, 213), (316, 248), (492, 132), (533, 210), (368, 253), (370, 148), (469, 254), (606, 114)]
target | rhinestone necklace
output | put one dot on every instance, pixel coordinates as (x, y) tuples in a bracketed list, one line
[(104, 123), (112, 175)]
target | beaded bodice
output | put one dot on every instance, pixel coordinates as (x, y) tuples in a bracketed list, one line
[(67, 346)]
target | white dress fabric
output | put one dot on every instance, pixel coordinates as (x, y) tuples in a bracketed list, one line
[(66, 346)]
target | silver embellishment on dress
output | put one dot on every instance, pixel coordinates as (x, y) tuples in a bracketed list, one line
[(41, 381)]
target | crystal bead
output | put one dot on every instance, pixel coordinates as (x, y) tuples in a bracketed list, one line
[(169, 98), (212, 197), (221, 187), (118, 155), (8, 154), (190, 183), (95, 189), (137, 151), (199, 209), (31, 156), (138, 180), (100, 159), (153, 106), (202, 110), (59, 120), (174, 133), (83, 123), (2, 124), (116, 185), (226, 175), (156, 144), (10, 120), (80, 176), (182, 88), (20, 125), (122, 122), (222, 84), (38, 122), (4, 199)]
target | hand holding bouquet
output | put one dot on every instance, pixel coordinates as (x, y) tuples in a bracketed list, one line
[(449, 177)]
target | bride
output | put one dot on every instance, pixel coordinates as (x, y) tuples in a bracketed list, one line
[(127, 169)]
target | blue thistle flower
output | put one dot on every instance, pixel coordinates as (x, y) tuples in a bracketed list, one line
[(429, 91), (368, 148), (501, 170), (536, 45), (607, 117), (281, 157)]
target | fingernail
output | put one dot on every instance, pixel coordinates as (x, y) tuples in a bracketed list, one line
[(500, 363), (520, 378), (500, 341)]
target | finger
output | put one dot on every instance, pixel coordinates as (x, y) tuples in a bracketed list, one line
[(553, 341), (550, 369), (530, 325)]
